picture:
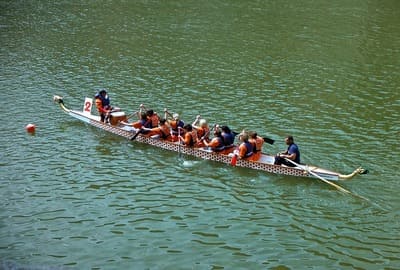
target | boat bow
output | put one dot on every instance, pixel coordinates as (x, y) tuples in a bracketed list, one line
[(357, 171)]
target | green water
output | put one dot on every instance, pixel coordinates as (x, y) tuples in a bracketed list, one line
[(75, 197)]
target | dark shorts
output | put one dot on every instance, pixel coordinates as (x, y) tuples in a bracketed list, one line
[(282, 161)]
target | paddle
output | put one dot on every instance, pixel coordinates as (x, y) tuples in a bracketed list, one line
[(268, 140), (208, 132), (141, 106), (132, 114), (179, 142), (196, 120), (167, 112), (319, 177), (136, 134)]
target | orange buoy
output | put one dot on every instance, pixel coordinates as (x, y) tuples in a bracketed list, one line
[(30, 128)]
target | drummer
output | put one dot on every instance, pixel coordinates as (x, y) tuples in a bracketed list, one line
[(103, 105)]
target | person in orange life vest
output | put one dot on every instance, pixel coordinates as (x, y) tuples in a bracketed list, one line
[(245, 148), (190, 136), (152, 118), (103, 106), (203, 131), (217, 143), (163, 130), (175, 123), (142, 122), (257, 143)]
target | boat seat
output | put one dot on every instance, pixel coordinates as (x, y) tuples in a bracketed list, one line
[(266, 159)]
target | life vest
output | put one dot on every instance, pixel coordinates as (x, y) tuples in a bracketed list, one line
[(220, 145), (165, 132), (154, 120), (191, 141), (195, 138), (249, 149), (175, 124), (229, 138), (257, 144), (145, 123), (105, 101), (201, 131)]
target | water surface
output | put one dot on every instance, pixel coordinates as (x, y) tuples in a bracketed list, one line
[(75, 197)]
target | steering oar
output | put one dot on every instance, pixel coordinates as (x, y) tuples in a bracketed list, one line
[(319, 177)]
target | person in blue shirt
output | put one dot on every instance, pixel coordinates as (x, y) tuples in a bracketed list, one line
[(292, 153)]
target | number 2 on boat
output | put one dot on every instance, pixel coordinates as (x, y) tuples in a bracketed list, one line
[(87, 107)]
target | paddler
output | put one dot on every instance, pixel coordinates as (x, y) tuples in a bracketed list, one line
[(245, 148), (162, 131), (175, 123), (190, 136), (228, 136), (142, 122), (257, 143), (153, 118), (217, 143), (203, 131)]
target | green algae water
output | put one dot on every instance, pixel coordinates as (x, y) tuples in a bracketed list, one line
[(75, 197)]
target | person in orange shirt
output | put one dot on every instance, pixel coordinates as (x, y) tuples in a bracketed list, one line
[(153, 118), (102, 102), (142, 122), (203, 131), (163, 131), (257, 143), (176, 124), (217, 143), (190, 136)]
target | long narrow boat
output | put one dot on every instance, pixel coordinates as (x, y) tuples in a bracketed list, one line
[(264, 163)]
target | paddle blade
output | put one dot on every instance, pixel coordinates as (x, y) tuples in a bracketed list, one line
[(137, 133), (234, 160), (268, 140)]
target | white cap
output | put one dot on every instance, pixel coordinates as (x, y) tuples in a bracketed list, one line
[(175, 116), (203, 122)]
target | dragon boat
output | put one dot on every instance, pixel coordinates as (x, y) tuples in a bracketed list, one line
[(264, 163)]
